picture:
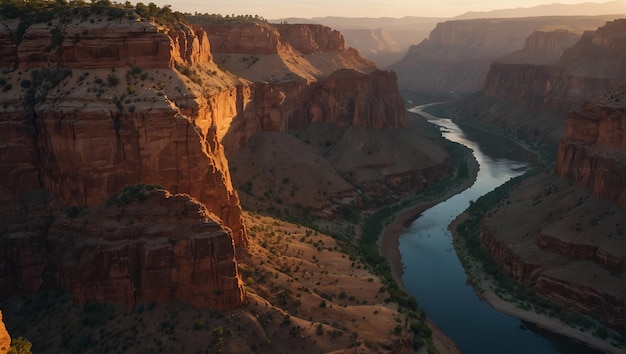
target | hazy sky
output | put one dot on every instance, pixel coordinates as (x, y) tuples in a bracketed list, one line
[(272, 9)]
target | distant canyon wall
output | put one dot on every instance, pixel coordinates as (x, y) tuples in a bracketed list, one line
[(531, 99)]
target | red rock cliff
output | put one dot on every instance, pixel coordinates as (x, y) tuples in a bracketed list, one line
[(348, 98), (592, 151), (164, 248), (111, 126), (5, 339)]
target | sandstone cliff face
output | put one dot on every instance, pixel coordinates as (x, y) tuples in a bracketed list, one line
[(5, 339), (591, 152), (309, 39), (141, 246), (274, 53), (543, 47), (457, 55), (571, 249), (599, 53), (165, 248), (114, 44), (542, 88), (86, 143), (583, 72), (348, 98)]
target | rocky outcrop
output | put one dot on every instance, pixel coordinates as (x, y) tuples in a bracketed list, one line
[(309, 39), (244, 38), (543, 47), (591, 152), (457, 55), (348, 98), (570, 249), (5, 339), (115, 44), (542, 88), (85, 143), (160, 248), (584, 251), (142, 245)]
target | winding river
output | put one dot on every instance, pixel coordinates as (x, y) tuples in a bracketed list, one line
[(434, 276)]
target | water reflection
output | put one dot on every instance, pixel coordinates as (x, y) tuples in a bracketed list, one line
[(434, 275)]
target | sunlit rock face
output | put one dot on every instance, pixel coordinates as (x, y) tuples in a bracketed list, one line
[(5, 339), (105, 107)]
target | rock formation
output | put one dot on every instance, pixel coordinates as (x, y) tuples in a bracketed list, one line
[(543, 47), (101, 132), (532, 100), (591, 152), (457, 55), (117, 101), (5, 339), (570, 251), (348, 98), (157, 248)]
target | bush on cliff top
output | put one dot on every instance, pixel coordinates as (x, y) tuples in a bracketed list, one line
[(37, 11), (135, 192)]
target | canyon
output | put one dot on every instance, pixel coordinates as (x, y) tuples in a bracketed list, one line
[(456, 57), (118, 141), (528, 96), (570, 247)]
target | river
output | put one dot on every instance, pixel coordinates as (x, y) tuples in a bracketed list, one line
[(434, 276)]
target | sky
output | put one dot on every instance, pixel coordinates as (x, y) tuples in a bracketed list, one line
[(274, 9)]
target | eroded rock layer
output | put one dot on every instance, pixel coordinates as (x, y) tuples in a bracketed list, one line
[(83, 124), (531, 99), (164, 248), (571, 249), (456, 56), (592, 150)]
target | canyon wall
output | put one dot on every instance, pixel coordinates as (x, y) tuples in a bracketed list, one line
[(84, 144), (543, 47), (349, 98), (159, 248), (591, 152), (531, 99), (112, 103), (456, 57), (102, 107)]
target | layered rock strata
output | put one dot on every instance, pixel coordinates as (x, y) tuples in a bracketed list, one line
[(457, 54), (164, 248), (532, 99), (571, 249), (591, 152), (79, 121)]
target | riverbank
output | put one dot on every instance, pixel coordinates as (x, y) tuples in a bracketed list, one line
[(389, 243), (484, 287)]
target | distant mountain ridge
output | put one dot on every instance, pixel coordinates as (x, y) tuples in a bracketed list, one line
[(555, 9)]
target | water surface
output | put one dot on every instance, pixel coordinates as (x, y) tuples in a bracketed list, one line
[(434, 276)]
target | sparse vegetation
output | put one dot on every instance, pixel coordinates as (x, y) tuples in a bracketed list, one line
[(136, 192)]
